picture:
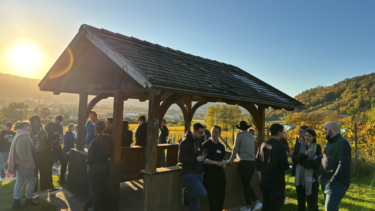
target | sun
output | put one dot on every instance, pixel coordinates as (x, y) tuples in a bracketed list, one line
[(25, 58)]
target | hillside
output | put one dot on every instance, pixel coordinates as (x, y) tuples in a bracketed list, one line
[(348, 97)]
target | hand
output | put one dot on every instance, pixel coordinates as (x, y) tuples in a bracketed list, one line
[(61, 141), (231, 162), (67, 153), (219, 163), (308, 152), (6, 136), (200, 158), (224, 165), (320, 179)]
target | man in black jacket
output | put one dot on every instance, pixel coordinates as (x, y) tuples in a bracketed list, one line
[(6, 137), (214, 175), (335, 169), (272, 162), (163, 137), (190, 155), (141, 133)]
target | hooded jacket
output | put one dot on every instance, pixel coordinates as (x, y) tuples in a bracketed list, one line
[(190, 149), (336, 161)]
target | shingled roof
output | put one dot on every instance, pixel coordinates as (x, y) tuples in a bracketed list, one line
[(172, 70)]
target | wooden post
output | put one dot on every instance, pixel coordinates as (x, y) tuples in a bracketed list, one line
[(261, 130), (355, 140), (115, 167), (152, 130), (189, 116), (83, 98), (268, 132)]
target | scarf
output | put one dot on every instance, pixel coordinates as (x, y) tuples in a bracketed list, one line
[(11, 162), (304, 177)]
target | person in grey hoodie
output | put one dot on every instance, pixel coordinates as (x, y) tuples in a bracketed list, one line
[(335, 168)]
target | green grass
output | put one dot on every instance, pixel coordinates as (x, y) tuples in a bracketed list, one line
[(6, 196), (359, 197)]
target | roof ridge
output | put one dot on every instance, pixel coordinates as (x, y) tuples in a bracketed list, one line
[(159, 47)]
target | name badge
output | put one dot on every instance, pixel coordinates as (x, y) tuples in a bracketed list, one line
[(199, 149), (218, 151)]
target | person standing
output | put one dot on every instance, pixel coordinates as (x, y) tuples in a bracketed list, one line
[(127, 135), (272, 162), (308, 159), (97, 159), (207, 134), (68, 141), (141, 133), (6, 137), (244, 146), (214, 175), (335, 169), (22, 159), (55, 136), (301, 134), (163, 137), (190, 155), (90, 132)]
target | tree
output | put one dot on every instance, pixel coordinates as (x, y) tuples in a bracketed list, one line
[(371, 114), (44, 113), (14, 112)]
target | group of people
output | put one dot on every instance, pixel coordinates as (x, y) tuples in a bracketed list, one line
[(203, 167)]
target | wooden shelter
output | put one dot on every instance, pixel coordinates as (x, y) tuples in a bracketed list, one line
[(106, 64)]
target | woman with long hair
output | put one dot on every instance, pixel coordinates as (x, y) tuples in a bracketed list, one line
[(308, 158), (99, 151), (22, 159)]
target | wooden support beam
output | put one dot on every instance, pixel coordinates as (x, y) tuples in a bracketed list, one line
[(167, 103), (94, 101), (152, 130), (254, 113), (118, 109), (261, 129), (195, 107), (189, 116), (83, 98)]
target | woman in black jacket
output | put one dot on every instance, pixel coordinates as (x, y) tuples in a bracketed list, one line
[(307, 155), (98, 154)]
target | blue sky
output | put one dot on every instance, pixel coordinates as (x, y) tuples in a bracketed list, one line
[(292, 45)]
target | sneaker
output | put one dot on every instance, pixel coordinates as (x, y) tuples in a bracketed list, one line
[(184, 201), (54, 167), (30, 202), (35, 196), (245, 209), (258, 206), (54, 190)]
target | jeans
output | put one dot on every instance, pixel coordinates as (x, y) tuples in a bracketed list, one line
[(333, 193), (273, 199), (215, 185), (98, 179), (59, 153), (24, 175), (197, 192), (246, 170), (312, 200), (3, 159)]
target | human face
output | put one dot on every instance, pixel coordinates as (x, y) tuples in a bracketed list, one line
[(8, 128), (58, 122), (93, 117), (301, 133), (215, 133), (71, 129), (140, 121), (328, 130), (308, 138), (199, 133), (252, 131), (37, 123), (163, 123), (108, 125), (27, 128), (281, 134)]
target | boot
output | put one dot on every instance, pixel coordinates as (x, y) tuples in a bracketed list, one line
[(17, 205), (30, 202)]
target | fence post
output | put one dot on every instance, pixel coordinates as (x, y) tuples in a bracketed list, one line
[(355, 139), (268, 132)]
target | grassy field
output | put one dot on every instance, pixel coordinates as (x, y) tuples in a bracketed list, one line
[(359, 197), (6, 197)]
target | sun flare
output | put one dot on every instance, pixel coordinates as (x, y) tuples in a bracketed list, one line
[(25, 58)]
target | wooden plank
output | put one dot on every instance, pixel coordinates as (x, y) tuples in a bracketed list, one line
[(118, 109), (262, 125), (152, 130), (94, 101), (189, 116), (83, 98)]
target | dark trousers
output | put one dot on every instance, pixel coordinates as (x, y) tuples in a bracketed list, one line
[(215, 185), (246, 171), (98, 179), (333, 194), (312, 200), (273, 199), (44, 170), (59, 153)]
